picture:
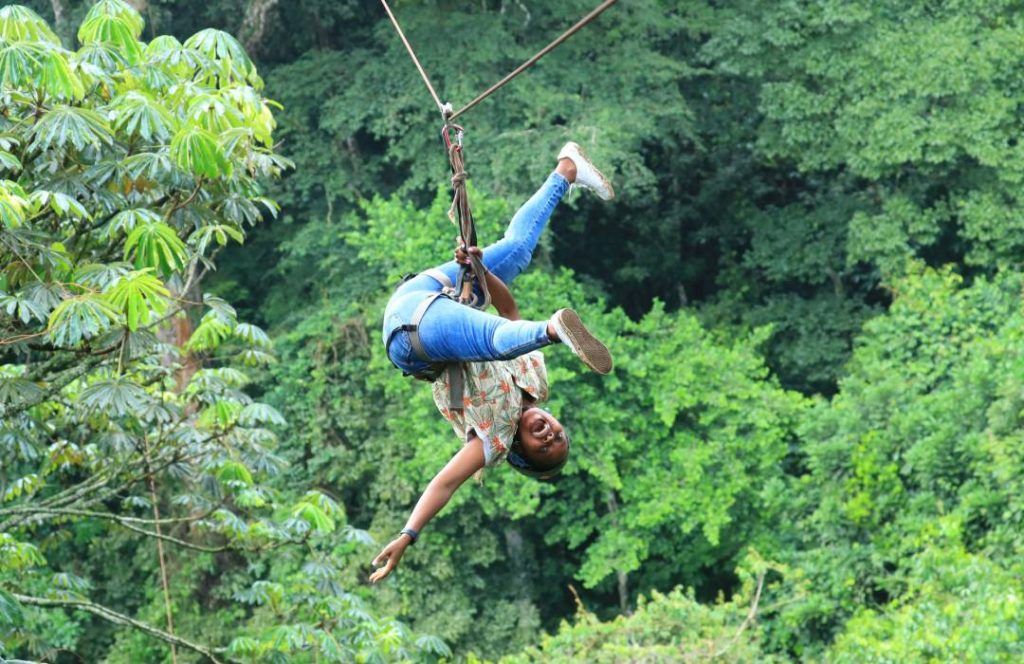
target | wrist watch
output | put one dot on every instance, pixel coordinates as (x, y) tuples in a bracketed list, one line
[(413, 535)]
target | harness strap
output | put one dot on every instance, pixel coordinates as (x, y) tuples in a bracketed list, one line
[(456, 382), (414, 325), (440, 276)]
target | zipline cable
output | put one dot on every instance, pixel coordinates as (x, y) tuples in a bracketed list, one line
[(412, 54), (460, 212), (544, 51)]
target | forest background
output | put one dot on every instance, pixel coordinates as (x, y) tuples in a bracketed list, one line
[(811, 446)]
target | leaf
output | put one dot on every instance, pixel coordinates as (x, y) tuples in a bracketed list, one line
[(156, 245), (139, 114), (14, 204), (210, 333), (61, 204), (150, 165), (252, 335), (69, 125), (260, 413), (229, 61), (233, 471), (11, 614), (197, 151), (137, 294), (22, 486), (80, 317), (19, 23), (116, 397), (128, 220), (99, 276), (219, 232), (313, 516), (19, 62), (57, 78), (8, 162), (114, 23), (14, 390)]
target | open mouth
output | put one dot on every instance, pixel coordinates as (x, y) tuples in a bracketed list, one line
[(540, 428)]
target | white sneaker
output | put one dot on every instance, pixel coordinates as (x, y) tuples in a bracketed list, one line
[(587, 175), (573, 333)]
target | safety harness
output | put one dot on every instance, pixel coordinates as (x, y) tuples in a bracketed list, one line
[(456, 383)]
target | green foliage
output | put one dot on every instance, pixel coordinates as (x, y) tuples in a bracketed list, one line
[(113, 434), (670, 627), (958, 606)]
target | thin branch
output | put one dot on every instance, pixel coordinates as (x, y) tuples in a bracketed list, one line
[(749, 619), (126, 523), (57, 512), (120, 619)]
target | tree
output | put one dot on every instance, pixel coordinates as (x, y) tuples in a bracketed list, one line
[(128, 167)]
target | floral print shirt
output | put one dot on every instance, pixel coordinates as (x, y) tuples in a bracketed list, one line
[(492, 400)]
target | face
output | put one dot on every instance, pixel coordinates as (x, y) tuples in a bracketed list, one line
[(542, 438)]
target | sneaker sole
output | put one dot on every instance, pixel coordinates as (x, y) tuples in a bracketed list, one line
[(597, 171), (593, 353)]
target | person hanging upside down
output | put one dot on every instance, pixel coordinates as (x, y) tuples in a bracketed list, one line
[(490, 365)]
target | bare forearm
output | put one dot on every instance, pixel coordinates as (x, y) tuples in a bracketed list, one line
[(501, 297), (435, 496)]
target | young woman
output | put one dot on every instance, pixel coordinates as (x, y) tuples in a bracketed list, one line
[(487, 370)]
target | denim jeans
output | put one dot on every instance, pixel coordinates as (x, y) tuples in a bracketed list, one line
[(450, 331)]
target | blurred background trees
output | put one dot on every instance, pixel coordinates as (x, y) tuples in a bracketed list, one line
[(810, 280)]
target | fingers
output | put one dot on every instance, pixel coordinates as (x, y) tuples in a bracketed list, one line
[(383, 555), (382, 572)]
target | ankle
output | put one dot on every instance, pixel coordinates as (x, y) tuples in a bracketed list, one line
[(567, 169), (552, 332)]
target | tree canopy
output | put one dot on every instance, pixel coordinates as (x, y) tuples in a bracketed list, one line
[(810, 280)]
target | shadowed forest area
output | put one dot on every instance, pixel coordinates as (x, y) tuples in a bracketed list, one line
[(811, 447)]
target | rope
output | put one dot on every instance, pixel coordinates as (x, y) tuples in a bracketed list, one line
[(412, 54), (461, 215), (459, 209), (526, 65)]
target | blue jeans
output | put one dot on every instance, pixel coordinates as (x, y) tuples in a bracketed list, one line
[(452, 332)]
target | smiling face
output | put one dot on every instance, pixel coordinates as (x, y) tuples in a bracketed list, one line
[(542, 439)]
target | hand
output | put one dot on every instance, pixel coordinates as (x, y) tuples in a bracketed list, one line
[(461, 257), (390, 556)]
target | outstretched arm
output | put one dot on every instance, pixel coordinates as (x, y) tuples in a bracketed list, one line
[(501, 296), (467, 461)]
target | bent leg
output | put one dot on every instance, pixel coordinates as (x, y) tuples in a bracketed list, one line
[(450, 331), (510, 255)]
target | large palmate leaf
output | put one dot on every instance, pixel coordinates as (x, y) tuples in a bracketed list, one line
[(70, 125), (197, 151), (156, 245), (214, 114), (103, 56), (115, 397), (210, 333), (126, 221), (116, 24), (100, 276), (230, 63), (14, 204), (18, 23), (80, 317), (138, 114), (61, 205), (56, 76), (256, 414), (136, 295), (8, 162), (19, 63)]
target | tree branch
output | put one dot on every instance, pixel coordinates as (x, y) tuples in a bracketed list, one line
[(120, 619)]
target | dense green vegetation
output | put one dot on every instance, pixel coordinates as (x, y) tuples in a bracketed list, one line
[(811, 446)]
